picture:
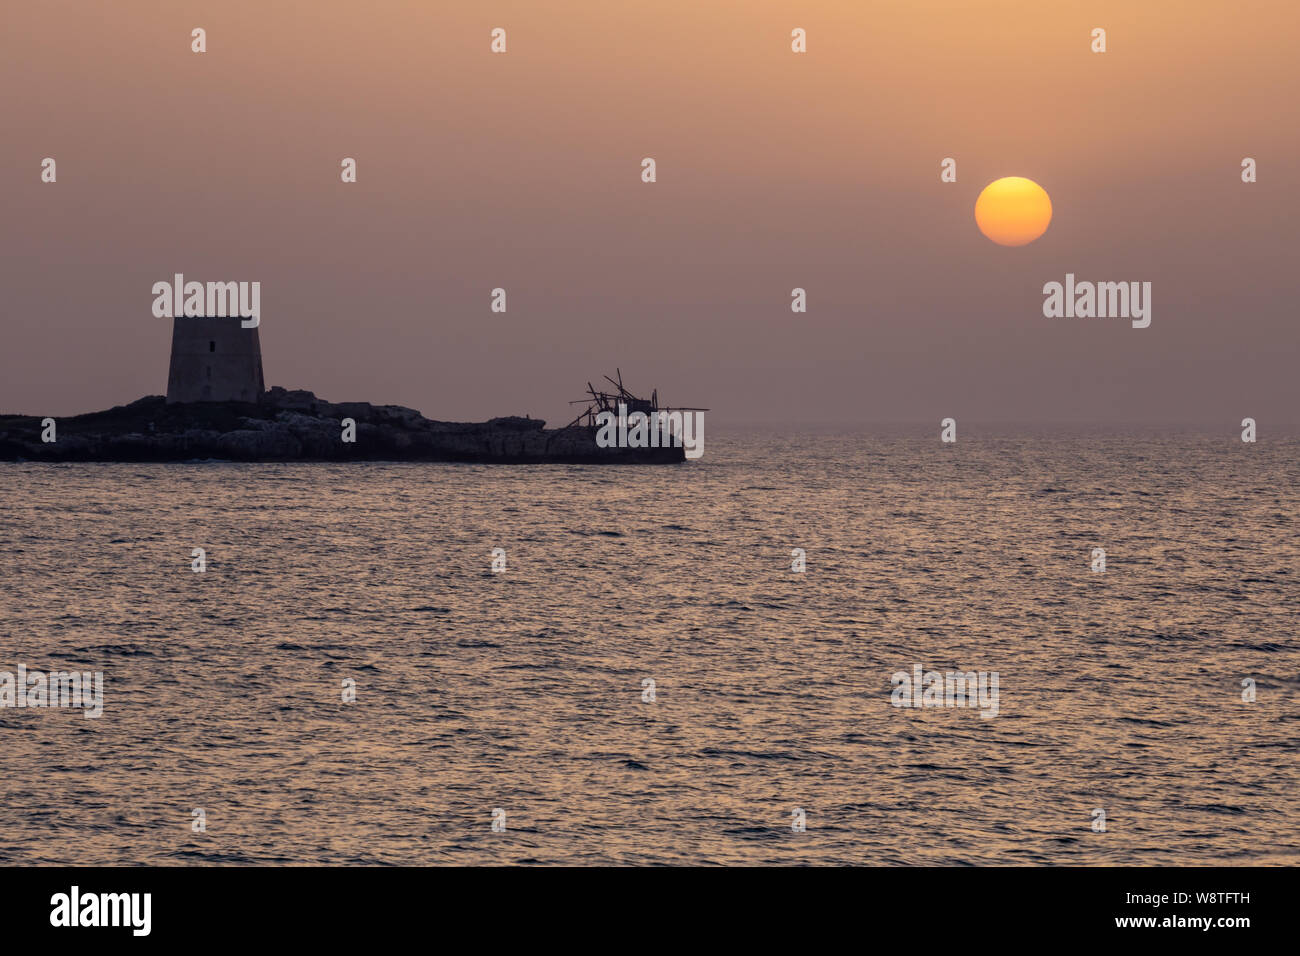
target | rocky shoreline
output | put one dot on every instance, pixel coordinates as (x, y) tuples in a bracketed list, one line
[(297, 426)]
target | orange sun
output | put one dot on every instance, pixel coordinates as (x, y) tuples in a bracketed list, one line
[(1013, 211)]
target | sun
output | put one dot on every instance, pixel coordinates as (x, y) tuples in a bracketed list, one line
[(1013, 211)]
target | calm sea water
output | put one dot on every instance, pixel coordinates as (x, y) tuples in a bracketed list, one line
[(523, 690)]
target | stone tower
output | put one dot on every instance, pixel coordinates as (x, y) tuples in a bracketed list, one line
[(214, 360)]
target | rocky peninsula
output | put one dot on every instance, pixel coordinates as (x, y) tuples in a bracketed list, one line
[(295, 425)]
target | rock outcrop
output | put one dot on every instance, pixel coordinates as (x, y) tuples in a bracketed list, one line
[(297, 426)]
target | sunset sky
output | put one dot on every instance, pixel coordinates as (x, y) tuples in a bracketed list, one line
[(775, 170)]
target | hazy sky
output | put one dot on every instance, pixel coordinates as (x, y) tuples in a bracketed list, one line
[(775, 170)]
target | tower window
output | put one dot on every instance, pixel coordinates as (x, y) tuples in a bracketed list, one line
[(212, 346)]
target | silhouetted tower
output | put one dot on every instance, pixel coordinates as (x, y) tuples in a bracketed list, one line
[(214, 360)]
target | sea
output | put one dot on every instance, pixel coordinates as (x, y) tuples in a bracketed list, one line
[(434, 664)]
